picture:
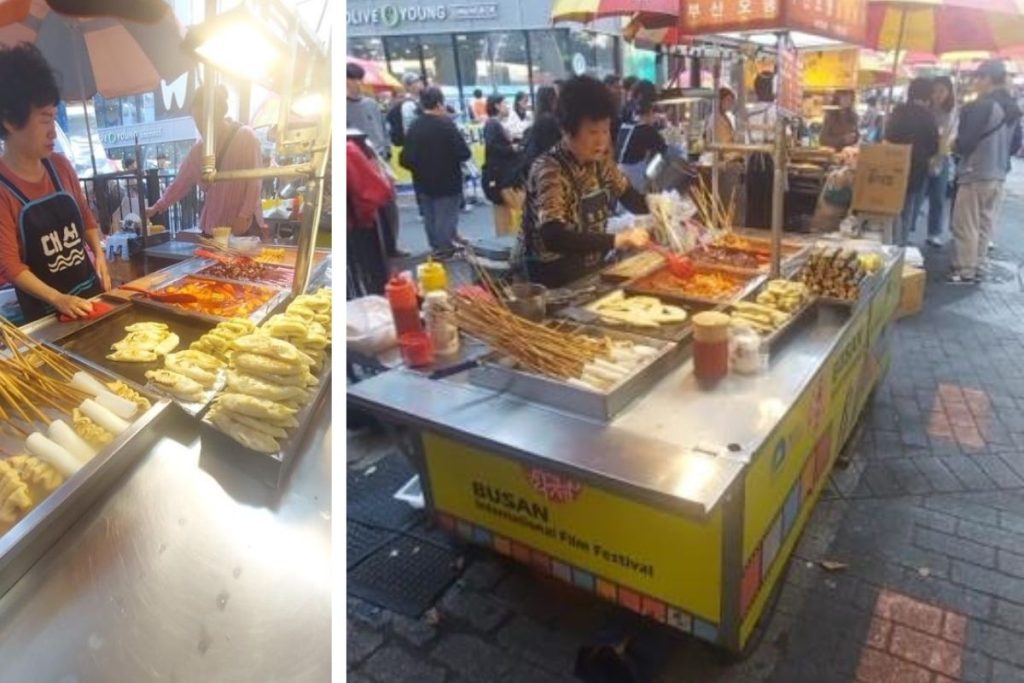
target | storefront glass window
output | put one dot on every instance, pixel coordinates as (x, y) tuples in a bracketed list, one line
[(439, 60), (493, 62), (108, 112), (368, 49), (403, 54), (551, 62), (147, 107), (590, 53), (129, 111)]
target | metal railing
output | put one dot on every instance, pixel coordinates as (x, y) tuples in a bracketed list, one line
[(117, 195)]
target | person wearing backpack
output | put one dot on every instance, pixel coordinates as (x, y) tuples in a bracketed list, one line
[(988, 135), (403, 112)]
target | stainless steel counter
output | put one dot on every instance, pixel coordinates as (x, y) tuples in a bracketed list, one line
[(657, 448), (190, 570)]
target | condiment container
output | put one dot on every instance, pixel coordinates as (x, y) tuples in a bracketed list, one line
[(441, 328), (710, 347), (748, 354), (401, 294), (432, 277), (417, 351)]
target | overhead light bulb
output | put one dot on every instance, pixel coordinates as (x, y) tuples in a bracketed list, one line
[(240, 50), (309, 105)]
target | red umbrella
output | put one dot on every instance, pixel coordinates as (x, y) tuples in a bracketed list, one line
[(377, 77), (588, 10)]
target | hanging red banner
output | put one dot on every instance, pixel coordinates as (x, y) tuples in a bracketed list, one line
[(844, 20)]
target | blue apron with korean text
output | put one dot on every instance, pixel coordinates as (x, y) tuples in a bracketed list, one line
[(53, 245)]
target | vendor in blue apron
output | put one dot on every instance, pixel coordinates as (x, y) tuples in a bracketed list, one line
[(572, 190), (45, 222)]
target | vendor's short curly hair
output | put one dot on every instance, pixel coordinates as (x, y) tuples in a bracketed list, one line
[(27, 81), (584, 98)]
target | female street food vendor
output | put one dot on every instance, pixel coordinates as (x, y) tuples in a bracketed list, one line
[(45, 221), (572, 189)]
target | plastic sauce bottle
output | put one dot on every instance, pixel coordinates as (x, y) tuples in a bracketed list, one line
[(440, 325), (432, 277), (405, 310), (710, 347)]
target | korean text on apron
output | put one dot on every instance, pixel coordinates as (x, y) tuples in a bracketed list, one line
[(53, 245)]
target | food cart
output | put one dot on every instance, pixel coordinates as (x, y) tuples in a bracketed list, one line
[(143, 536), (676, 499)]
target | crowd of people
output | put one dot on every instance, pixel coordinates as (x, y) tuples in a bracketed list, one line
[(553, 178)]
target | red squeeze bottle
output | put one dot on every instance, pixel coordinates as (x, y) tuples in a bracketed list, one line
[(405, 309)]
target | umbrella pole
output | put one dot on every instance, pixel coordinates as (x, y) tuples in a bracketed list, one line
[(88, 133), (896, 59)]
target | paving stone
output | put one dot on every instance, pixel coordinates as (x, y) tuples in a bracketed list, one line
[(970, 475), (523, 673), (879, 667), (997, 642), (938, 475), (356, 677), (988, 581), (880, 479), (908, 476), (1008, 615), (1006, 673), (964, 509), (393, 664), (954, 546), (990, 535), (928, 651), (553, 650), (361, 642), (999, 472), (416, 632), (472, 658), (482, 611), (1011, 563), (484, 574), (906, 611), (954, 628), (977, 667)]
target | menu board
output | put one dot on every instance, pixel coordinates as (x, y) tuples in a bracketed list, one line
[(707, 16), (830, 69), (844, 20), (791, 81)]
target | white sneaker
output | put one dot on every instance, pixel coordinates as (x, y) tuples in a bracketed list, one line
[(935, 242)]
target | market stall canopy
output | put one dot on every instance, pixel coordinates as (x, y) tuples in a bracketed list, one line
[(589, 10), (841, 20), (377, 77), (940, 26), (148, 11), (644, 32), (104, 55)]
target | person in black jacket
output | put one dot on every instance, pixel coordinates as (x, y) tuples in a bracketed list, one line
[(433, 152), (913, 123), (544, 133), (501, 166), (639, 140), (572, 190)]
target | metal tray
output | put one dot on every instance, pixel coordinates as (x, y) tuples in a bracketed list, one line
[(92, 342), (284, 270), (615, 272), (257, 316), (671, 333), (807, 312), (25, 542), (492, 374), (271, 468), (637, 287)]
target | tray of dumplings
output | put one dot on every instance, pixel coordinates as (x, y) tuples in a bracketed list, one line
[(175, 355), (277, 378), (67, 429)]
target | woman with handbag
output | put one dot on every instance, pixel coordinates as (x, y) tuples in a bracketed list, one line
[(940, 166), (501, 167)]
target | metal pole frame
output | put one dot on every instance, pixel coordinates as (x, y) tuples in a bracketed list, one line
[(779, 161)]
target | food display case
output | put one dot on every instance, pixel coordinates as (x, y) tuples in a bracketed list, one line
[(683, 502)]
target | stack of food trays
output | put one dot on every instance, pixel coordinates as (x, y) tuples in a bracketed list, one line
[(277, 375), (60, 420)]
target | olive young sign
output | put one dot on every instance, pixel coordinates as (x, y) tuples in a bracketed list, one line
[(392, 16), (614, 538)]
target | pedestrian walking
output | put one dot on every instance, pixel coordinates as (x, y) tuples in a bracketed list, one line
[(544, 133), (912, 123), (434, 152), (517, 119), (988, 135), (501, 167), (940, 167), (640, 141)]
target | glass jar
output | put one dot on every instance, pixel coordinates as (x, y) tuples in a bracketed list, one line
[(710, 347)]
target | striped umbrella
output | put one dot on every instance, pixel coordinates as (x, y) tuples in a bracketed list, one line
[(939, 26), (377, 76), (105, 55), (585, 11), (647, 31)]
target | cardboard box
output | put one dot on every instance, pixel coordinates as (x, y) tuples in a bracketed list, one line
[(911, 292), (880, 184)]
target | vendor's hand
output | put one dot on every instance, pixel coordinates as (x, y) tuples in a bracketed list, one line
[(102, 271), (151, 211), (73, 306), (634, 238)]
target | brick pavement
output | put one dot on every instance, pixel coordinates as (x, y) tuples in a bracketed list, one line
[(928, 516)]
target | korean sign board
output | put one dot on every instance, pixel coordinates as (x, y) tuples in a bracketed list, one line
[(844, 20)]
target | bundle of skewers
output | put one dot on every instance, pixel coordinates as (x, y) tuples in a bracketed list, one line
[(712, 212), (40, 393), (550, 350)]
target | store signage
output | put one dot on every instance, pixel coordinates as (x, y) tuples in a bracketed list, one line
[(829, 69), (391, 16), (158, 132), (844, 20), (579, 64)]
